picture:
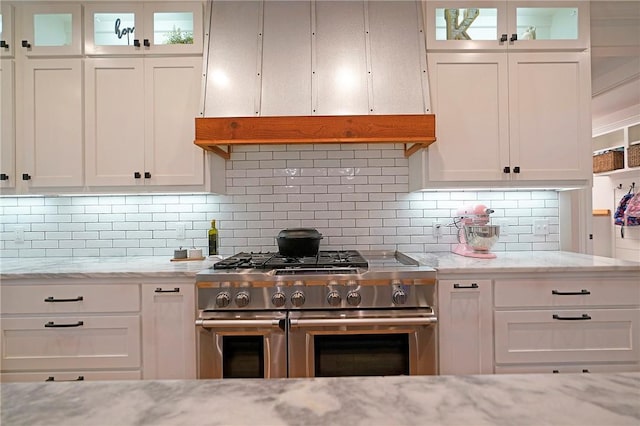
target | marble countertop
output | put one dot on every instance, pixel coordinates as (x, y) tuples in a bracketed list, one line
[(162, 267), (533, 399)]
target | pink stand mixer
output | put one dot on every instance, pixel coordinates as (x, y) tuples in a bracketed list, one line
[(475, 236)]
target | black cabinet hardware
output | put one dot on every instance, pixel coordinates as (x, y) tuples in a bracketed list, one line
[(4, 176), (52, 324), (516, 169), (580, 318), (507, 169), (52, 299), (53, 379), (503, 38), (556, 371), (585, 371), (473, 285), (25, 43), (175, 290), (147, 175), (136, 42), (26, 176), (146, 42), (137, 175), (570, 293), (514, 37), (4, 44)]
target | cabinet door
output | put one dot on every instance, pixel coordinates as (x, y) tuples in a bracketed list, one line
[(471, 103), (7, 40), (172, 102), (51, 151), (168, 331), (51, 29), (550, 120), (7, 124), (174, 28), (114, 130), (114, 28), (465, 326)]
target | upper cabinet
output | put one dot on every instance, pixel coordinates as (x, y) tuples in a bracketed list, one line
[(130, 28), (50, 29), (6, 31), (523, 25)]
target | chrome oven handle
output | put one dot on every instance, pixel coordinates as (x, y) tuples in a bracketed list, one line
[(238, 323), (363, 321)]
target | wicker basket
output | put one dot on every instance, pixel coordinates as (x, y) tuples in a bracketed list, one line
[(633, 153), (605, 162)]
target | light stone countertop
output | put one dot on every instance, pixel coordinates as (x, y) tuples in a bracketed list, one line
[(162, 267), (532, 399)]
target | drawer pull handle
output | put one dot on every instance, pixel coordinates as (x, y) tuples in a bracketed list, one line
[(570, 293), (53, 379), (580, 318), (52, 299), (586, 371), (556, 371), (52, 324), (473, 285), (175, 290)]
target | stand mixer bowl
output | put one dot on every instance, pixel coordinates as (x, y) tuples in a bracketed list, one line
[(481, 237)]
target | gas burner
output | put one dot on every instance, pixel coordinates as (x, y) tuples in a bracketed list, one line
[(324, 259)]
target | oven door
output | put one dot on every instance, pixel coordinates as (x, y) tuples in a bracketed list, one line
[(242, 345), (362, 343)]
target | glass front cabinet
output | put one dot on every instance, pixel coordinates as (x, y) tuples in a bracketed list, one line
[(140, 28), (524, 25), (50, 29), (6, 31)]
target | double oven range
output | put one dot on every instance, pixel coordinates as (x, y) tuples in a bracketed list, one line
[(340, 313)]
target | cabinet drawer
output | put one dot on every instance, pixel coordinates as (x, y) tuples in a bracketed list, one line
[(70, 342), (604, 335), (45, 299), (568, 368), (69, 376), (562, 292)]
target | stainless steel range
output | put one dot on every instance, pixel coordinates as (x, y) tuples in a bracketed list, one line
[(340, 313)]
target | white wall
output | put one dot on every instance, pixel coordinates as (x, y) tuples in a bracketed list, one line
[(355, 195)]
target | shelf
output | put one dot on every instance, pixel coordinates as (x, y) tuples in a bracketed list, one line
[(621, 173), (414, 131)]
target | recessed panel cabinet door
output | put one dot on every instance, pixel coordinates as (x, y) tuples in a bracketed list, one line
[(172, 101), (51, 151), (114, 121), (7, 124)]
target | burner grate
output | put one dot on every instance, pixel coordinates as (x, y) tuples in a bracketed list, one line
[(324, 259)]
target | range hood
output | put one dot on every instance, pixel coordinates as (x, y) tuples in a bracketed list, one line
[(302, 71)]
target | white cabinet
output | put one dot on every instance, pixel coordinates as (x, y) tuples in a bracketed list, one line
[(7, 39), (514, 25), (50, 29), (133, 28), (50, 153), (139, 121), (168, 331), (567, 324), (7, 124), (465, 324), (622, 140), (70, 331)]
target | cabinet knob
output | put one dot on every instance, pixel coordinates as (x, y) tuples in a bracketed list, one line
[(4, 44), (137, 175), (25, 43), (503, 38), (146, 42), (4, 176), (147, 175), (516, 169), (506, 169), (26, 176), (136, 42), (514, 37)]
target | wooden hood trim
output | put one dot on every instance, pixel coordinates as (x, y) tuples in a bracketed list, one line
[(414, 131)]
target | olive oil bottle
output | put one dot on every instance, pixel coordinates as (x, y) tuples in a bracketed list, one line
[(213, 239)]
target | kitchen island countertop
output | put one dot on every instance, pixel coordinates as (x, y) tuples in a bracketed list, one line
[(557, 399)]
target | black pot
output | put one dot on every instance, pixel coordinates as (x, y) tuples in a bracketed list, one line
[(299, 242)]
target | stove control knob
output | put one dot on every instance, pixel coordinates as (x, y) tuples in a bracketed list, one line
[(354, 298), (399, 297), (278, 299), (297, 298), (242, 299), (223, 299), (333, 298)]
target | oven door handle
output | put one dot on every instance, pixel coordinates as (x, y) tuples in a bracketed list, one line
[(239, 323), (363, 321)]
